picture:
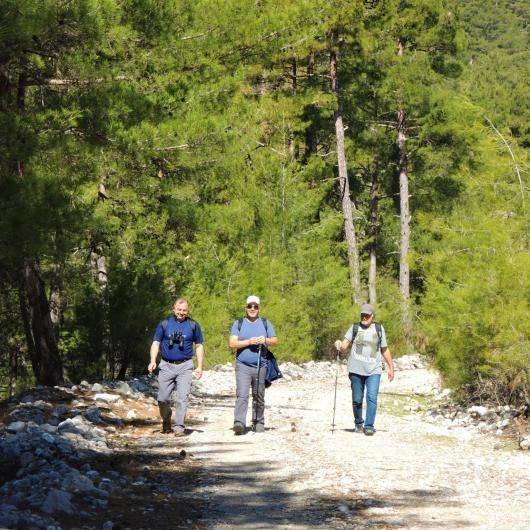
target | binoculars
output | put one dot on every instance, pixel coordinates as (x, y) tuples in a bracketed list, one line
[(176, 338)]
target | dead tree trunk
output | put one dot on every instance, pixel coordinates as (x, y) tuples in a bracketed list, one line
[(374, 234), (57, 303), (98, 264), (310, 137), (404, 215), (348, 207), (13, 371), (293, 144)]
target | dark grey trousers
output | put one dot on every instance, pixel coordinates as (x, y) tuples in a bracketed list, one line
[(174, 377), (246, 378)]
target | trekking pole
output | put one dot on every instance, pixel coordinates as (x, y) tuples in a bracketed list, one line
[(255, 404), (335, 397)]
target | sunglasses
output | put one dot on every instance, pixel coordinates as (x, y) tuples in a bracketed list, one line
[(252, 306), (364, 316)]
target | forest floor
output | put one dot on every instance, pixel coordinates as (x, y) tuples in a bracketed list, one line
[(299, 474)]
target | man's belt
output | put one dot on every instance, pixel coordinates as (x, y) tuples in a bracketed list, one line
[(180, 361)]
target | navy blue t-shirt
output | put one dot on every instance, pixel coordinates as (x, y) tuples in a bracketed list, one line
[(173, 329)]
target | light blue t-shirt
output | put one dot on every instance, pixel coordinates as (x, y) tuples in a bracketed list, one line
[(365, 356), (250, 355)]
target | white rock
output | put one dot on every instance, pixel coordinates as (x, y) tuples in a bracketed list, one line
[(410, 362), (48, 437), (525, 443), (16, 426), (96, 387), (123, 388), (93, 415), (57, 501), (444, 393), (132, 415), (503, 423), (477, 411), (107, 398), (46, 427)]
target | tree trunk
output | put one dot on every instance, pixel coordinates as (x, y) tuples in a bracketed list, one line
[(47, 365), (348, 207), (98, 263), (26, 322), (374, 234), (13, 371), (124, 365), (57, 303), (404, 215), (293, 145), (34, 307), (310, 138)]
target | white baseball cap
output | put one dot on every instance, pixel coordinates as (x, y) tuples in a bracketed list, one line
[(252, 299)]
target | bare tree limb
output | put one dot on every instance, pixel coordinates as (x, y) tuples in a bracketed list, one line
[(515, 164)]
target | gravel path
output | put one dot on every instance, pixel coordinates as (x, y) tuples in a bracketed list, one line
[(298, 474), (92, 457)]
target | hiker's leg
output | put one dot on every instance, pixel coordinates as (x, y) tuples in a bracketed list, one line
[(357, 388), (166, 385), (184, 375), (258, 399), (372, 389), (243, 381)]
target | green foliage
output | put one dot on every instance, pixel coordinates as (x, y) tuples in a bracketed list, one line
[(210, 127), (476, 307)]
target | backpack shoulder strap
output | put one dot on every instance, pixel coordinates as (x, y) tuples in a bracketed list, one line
[(379, 334), (264, 320), (239, 323), (355, 329), (164, 323), (193, 326)]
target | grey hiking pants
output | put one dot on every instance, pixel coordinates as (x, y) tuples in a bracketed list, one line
[(246, 378), (174, 377)]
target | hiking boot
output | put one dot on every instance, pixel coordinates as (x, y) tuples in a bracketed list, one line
[(179, 430), (369, 431), (358, 428), (166, 427), (239, 428), (259, 427)]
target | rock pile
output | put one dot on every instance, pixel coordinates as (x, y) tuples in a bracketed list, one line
[(44, 448), (477, 417)]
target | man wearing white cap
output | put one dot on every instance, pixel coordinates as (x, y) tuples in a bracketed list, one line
[(247, 335), (368, 347)]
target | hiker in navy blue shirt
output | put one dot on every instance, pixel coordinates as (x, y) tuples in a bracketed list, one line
[(178, 334), (246, 337)]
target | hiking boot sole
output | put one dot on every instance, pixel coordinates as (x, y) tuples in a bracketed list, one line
[(239, 429)]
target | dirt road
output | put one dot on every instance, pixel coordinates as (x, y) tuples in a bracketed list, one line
[(299, 474)]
